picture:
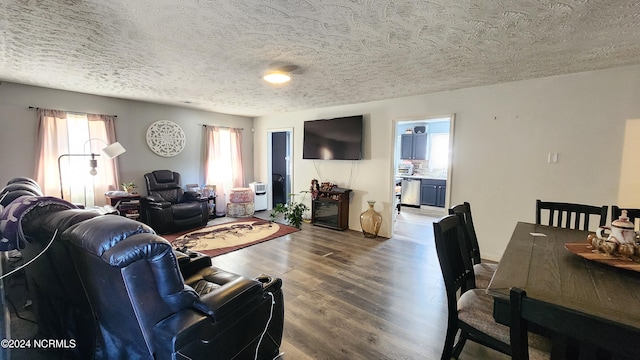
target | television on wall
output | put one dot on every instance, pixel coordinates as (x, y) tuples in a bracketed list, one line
[(333, 139)]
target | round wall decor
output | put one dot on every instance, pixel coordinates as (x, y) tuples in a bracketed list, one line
[(165, 138)]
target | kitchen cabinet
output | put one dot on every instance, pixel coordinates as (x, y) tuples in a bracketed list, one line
[(413, 146), (433, 192)]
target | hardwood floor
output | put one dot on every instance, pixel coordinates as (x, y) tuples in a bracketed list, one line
[(346, 296), (351, 297)]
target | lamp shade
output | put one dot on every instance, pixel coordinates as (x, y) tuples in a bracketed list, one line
[(113, 150)]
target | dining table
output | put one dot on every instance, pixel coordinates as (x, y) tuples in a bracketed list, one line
[(556, 265)]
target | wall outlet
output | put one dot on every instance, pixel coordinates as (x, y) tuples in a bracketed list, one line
[(552, 158)]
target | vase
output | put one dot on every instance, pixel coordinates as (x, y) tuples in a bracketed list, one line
[(370, 221)]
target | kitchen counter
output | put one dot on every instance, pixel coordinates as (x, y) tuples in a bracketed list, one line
[(425, 176)]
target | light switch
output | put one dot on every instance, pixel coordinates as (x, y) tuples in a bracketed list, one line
[(552, 158)]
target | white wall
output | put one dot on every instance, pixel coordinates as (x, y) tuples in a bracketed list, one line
[(18, 132), (629, 193), (503, 134)]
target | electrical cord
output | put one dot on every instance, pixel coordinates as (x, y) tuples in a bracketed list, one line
[(32, 260), (353, 165), (273, 302), (183, 355), (317, 166), (18, 268), (14, 261)]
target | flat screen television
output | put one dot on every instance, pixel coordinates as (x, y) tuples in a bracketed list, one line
[(333, 139)]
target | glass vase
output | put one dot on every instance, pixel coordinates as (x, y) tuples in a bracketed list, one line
[(370, 221)]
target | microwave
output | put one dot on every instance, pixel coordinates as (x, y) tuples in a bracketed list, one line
[(405, 169)]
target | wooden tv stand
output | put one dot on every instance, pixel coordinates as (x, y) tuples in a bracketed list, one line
[(330, 209)]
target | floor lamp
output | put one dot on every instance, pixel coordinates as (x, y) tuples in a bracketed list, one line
[(109, 152)]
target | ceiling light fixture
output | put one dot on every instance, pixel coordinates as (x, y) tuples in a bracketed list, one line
[(279, 74), (276, 77)]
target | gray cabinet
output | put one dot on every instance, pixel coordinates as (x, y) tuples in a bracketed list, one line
[(413, 147), (433, 192)]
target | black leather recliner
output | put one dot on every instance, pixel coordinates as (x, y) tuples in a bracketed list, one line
[(60, 304), (62, 310), (131, 300), (146, 310), (17, 187), (168, 208)]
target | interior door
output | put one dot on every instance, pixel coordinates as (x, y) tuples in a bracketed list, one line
[(281, 181)]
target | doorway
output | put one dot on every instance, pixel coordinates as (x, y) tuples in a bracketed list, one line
[(422, 166), (280, 181)]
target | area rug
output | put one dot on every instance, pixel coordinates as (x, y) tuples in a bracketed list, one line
[(224, 238)]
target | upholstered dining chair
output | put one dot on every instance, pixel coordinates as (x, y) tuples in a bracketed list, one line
[(472, 313), (632, 214), (483, 270), (591, 337), (570, 216)]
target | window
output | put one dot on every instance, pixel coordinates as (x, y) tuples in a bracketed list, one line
[(438, 151), (65, 144), (223, 162)]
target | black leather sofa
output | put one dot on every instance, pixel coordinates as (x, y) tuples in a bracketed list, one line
[(121, 291), (168, 208)]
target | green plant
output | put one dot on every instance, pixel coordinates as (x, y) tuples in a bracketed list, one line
[(128, 186), (292, 212)]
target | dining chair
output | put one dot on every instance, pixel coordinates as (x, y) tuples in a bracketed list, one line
[(632, 214), (472, 313), (589, 337), (570, 216), (483, 270)]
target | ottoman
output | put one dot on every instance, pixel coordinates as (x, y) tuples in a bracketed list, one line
[(240, 203)]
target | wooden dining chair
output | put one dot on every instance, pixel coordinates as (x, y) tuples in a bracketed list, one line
[(483, 270), (589, 337), (472, 313), (570, 216), (632, 214)]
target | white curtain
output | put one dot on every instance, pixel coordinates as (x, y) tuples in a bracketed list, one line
[(68, 139), (223, 162)]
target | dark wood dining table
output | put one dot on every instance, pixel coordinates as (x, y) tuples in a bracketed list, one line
[(537, 261)]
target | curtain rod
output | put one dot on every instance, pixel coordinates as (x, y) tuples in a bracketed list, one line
[(79, 112), (222, 127)]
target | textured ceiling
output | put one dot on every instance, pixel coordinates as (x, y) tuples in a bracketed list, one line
[(211, 54)]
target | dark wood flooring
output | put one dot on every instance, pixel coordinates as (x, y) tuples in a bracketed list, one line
[(351, 297), (347, 296)]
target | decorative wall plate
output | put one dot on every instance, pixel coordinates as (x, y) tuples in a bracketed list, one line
[(165, 138)]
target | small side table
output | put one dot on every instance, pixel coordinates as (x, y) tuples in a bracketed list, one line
[(128, 206)]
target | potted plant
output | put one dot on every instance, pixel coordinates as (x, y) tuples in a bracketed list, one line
[(128, 186), (292, 212)]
